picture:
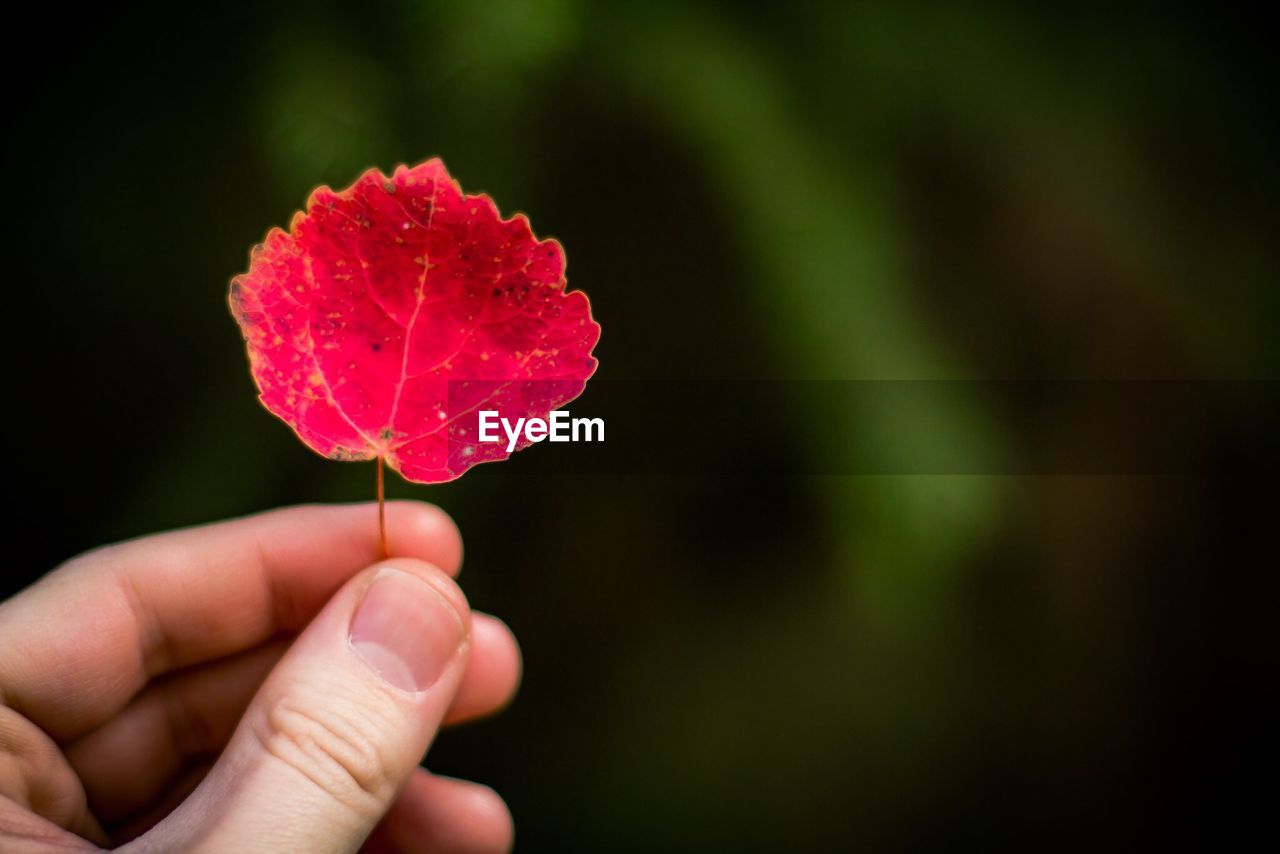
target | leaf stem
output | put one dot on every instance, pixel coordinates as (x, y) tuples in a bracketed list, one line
[(382, 513)]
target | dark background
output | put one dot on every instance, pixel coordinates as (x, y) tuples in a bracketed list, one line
[(771, 653)]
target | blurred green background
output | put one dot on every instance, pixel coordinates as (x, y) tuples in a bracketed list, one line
[(795, 191)]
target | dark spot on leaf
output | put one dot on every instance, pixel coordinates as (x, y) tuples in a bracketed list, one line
[(376, 347)]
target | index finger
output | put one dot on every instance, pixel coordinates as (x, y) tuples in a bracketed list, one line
[(76, 646)]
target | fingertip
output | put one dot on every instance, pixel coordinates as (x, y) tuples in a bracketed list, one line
[(507, 662), (440, 581), (493, 672), (495, 829), (447, 814), (422, 530)]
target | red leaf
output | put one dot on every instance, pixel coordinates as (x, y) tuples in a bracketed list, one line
[(394, 310)]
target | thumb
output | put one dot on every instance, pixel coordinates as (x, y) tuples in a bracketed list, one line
[(339, 724)]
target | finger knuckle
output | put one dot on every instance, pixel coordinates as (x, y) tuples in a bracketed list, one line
[(338, 752)]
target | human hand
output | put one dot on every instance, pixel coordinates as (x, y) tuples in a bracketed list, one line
[(262, 684)]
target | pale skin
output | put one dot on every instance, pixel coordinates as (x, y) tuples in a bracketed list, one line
[(215, 689)]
